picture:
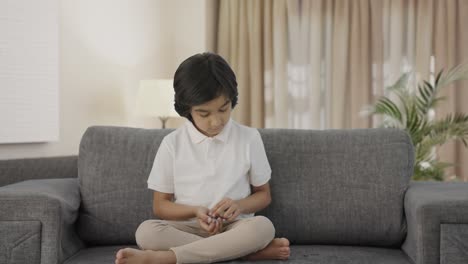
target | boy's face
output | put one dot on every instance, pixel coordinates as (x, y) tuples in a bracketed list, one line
[(211, 117)]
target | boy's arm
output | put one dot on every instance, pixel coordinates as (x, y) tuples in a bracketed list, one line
[(259, 199), (166, 209)]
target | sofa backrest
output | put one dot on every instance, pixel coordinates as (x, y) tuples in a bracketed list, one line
[(113, 166), (22, 169), (342, 187), (328, 187)]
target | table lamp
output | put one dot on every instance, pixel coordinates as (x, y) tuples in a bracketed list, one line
[(156, 98)]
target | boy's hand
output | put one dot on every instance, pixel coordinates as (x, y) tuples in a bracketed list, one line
[(212, 225), (227, 209)]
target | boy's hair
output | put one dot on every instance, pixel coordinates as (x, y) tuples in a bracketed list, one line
[(202, 78)]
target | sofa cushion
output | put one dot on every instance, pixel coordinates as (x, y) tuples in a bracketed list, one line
[(299, 255), (339, 186), (113, 167)]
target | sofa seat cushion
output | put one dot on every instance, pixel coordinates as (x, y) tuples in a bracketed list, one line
[(96, 255), (299, 255), (320, 254)]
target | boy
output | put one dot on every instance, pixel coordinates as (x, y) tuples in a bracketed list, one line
[(209, 178)]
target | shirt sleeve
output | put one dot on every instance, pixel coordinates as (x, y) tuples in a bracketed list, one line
[(260, 171), (161, 177)]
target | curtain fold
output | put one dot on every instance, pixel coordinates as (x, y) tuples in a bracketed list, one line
[(280, 48), (316, 46), (359, 92)]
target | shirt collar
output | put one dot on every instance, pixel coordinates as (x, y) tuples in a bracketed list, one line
[(197, 137)]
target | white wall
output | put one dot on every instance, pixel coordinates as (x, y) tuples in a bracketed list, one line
[(106, 47)]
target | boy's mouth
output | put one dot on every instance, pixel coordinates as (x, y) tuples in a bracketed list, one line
[(218, 129)]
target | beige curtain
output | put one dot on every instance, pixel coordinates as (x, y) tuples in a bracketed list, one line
[(316, 63), (240, 42)]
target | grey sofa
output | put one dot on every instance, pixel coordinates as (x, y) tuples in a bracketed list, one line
[(340, 196)]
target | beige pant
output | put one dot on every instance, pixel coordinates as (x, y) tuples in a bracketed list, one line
[(192, 244)]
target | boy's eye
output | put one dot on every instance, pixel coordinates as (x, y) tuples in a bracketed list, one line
[(204, 115), (222, 110)]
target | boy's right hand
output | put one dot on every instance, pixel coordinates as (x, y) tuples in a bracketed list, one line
[(211, 225)]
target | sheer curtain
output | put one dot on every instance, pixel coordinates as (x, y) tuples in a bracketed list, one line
[(308, 51), (316, 63)]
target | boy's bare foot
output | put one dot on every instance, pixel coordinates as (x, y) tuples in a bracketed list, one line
[(136, 256), (277, 249)]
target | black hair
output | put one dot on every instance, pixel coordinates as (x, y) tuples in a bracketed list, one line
[(202, 78)]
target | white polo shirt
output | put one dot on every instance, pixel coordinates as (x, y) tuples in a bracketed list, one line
[(201, 170)]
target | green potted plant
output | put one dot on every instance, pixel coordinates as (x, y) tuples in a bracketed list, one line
[(412, 107)]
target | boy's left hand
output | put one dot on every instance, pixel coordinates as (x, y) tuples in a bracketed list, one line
[(227, 209)]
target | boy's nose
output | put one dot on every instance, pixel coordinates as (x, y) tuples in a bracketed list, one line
[(215, 122)]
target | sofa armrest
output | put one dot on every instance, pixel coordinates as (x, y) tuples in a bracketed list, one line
[(437, 217), (36, 221), (16, 170)]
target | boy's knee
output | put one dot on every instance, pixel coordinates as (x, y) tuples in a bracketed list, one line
[(141, 234), (145, 235), (264, 228)]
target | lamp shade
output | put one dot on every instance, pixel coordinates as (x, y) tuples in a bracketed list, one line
[(156, 98)]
